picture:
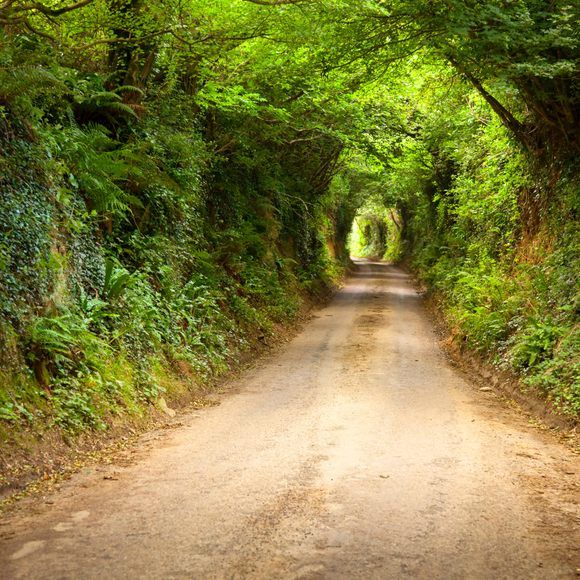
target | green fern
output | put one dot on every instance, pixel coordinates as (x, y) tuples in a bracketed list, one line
[(130, 89), (99, 168), (53, 337), (26, 81), (116, 281), (105, 103), (62, 342)]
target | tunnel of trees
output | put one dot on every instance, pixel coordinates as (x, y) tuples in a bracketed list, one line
[(178, 176)]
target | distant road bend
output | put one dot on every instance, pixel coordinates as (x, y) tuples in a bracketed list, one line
[(356, 451)]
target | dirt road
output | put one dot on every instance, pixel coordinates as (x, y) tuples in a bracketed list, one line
[(355, 452)]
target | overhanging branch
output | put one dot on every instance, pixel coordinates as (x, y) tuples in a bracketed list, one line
[(507, 118), (9, 8)]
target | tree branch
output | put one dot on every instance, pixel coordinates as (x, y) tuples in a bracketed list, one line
[(38, 32), (51, 11), (507, 118)]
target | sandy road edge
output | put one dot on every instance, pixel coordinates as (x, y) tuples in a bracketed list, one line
[(482, 373)]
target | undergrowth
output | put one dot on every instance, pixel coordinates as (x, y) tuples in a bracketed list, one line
[(507, 283), (130, 251)]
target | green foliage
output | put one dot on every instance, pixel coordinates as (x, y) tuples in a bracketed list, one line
[(116, 281), (376, 233), (536, 343), (106, 106), (75, 409), (175, 176), (557, 375), (97, 168), (26, 214), (495, 237), (63, 344)]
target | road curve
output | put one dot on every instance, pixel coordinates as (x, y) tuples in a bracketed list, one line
[(357, 451)]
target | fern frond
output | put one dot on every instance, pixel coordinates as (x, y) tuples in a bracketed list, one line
[(130, 89), (104, 96), (121, 108), (25, 81)]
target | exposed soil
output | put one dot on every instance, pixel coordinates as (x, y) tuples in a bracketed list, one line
[(357, 451)]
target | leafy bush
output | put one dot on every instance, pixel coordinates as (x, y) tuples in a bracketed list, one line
[(504, 274), (535, 343)]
